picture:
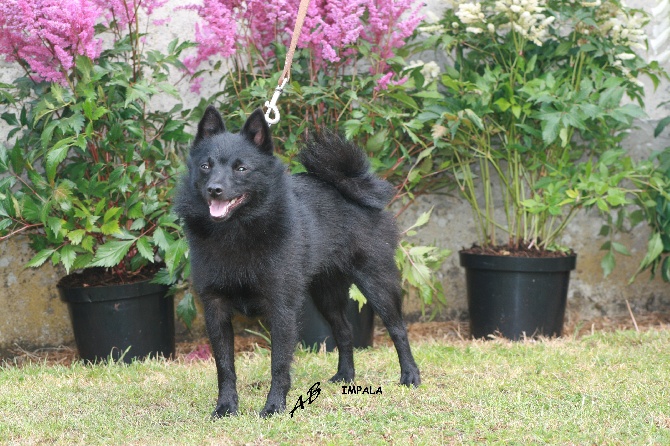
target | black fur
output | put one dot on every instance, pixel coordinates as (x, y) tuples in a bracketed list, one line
[(270, 240)]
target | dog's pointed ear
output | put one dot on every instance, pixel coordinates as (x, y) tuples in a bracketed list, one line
[(257, 131), (211, 124)]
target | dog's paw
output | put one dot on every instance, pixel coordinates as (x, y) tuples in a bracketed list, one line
[(410, 377), (271, 409), (224, 410), (340, 377)]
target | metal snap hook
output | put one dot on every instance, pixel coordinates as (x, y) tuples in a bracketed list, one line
[(271, 110), (272, 113)]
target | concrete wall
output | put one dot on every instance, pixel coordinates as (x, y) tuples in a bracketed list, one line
[(31, 314)]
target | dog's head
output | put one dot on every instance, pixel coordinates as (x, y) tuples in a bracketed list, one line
[(231, 171)]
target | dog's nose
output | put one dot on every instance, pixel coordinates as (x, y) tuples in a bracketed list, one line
[(215, 190)]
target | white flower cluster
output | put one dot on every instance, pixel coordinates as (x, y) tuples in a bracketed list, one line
[(622, 29), (429, 70), (526, 17), (471, 14)]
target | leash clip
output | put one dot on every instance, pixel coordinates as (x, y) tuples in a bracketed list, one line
[(272, 113)]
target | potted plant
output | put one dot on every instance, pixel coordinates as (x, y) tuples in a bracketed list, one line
[(528, 120), (342, 69), (89, 165)]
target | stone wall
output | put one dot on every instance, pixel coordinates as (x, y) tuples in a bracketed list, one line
[(32, 314)]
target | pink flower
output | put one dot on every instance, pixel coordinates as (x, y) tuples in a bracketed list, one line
[(330, 27), (201, 352), (47, 35), (125, 11), (383, 82), (216, 34), (390, 23), (386, 80)]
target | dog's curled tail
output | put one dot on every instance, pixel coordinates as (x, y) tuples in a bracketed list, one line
[(331, 158)]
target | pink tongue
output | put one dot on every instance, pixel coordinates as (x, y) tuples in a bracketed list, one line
[(219, 209)]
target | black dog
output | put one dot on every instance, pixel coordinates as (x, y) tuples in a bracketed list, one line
[(262, 240)]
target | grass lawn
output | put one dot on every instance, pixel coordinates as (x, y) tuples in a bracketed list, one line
[(605, 388)]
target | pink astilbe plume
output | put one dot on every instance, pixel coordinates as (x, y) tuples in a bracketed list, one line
[(329, 28), (125, 11), (337, 24), (390, 23), (45, 36), (216, 34)]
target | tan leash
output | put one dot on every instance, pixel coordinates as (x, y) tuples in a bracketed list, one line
[(272, 113)]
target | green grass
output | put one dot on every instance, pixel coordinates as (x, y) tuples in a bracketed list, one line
[(609, 388)]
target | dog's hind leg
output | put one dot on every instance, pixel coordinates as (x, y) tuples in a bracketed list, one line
[(380, 284), (331, 295)]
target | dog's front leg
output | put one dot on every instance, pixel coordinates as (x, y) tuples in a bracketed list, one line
[(218, 318), (284, 332)]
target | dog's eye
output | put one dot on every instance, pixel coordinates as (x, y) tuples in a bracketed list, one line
[(241, 169), (204, 166)]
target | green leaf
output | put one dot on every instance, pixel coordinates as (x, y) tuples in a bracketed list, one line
[(76, 236), (135, 211), (163, 277), (420, 250), (55, 156), (10, 118), (474, 118), (67, 257), (621, 249), (40, 258), (608, 263), (83, 261), (376, 142), (550, 125), (665, 269), (186, 310), (503, 104), (611, 156), (654, 248), (111, 213), (112, 253), (602, 205), (55, 224), (422, 220), (110, 228), (662, 124), (162, 239), (358, 297), (138, 224), (405, 99), (616, 197), (144, 248), (175, 253), (87, 243), (611, 97)]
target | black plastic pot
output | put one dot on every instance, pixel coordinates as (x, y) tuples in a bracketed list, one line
[(516, 297), (314, 330), (123, 322)]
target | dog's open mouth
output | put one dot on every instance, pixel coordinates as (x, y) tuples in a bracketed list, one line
[(220, 209)]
